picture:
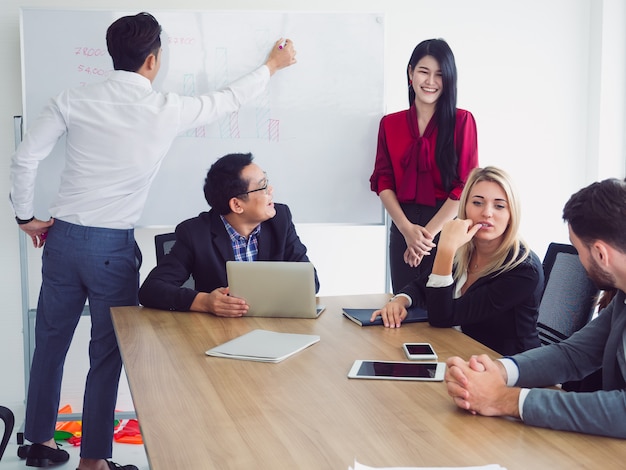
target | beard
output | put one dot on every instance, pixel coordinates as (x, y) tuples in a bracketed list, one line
[(601, 278)]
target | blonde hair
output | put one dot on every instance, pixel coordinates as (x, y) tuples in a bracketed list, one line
[(512, 250)]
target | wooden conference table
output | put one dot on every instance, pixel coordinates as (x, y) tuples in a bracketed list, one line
[(199, 412)]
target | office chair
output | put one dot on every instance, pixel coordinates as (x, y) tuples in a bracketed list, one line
[(569, 295), (163, 244), (9, 421)]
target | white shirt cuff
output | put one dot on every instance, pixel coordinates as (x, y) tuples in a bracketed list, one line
[(512, 375), (438, 280), (520, 404), (403, 295), (512, 372)]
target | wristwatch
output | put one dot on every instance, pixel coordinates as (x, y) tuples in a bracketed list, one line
[(23, 221)]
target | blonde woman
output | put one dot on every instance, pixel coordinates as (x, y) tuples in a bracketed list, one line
[(485, 278)]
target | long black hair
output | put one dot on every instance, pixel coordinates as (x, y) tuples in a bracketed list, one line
[(445, 111)]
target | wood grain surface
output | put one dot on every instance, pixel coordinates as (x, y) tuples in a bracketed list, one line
[(199, 412)]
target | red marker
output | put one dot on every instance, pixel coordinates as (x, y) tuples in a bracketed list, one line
[(282, 44)]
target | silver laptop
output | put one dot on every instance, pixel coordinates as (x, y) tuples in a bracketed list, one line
[(274, 288)]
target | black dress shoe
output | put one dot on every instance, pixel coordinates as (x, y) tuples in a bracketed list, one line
[(39, 455), (114, 466), (22, 451)]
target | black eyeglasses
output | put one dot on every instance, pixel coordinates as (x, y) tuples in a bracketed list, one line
[(264, 188)]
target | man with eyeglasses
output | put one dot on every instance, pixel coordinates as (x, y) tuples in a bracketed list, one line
[(244, 224)]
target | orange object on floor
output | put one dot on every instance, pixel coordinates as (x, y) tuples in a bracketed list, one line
[(72, 427), (126, 432), (129, 433)]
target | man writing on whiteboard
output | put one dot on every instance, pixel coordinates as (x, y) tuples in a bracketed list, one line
[(117, 134)]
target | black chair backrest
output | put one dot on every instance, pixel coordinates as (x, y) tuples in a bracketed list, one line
[(163, 244), (569, 295)]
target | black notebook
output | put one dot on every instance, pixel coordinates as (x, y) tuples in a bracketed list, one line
[(361, 316)]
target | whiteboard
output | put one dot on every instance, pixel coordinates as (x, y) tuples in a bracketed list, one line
[(314, 132)]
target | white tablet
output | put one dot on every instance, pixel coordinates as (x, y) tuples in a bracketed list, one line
[(394, 370)]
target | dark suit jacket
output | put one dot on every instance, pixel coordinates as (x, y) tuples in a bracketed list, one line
[(499, 311), (202, 248)]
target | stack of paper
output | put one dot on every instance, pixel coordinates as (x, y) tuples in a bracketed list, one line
[(263, 346), (358, 466)]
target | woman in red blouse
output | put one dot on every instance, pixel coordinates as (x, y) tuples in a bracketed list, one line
[(424, 156)]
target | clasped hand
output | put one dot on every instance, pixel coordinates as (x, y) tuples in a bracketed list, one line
[(479, 386), (419, 242)]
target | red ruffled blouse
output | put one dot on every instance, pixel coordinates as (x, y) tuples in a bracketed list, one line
[(405, 161)]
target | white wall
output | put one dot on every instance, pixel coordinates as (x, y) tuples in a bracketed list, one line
[(544, 79)]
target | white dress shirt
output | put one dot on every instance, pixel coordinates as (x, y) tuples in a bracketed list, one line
[(117, 133)]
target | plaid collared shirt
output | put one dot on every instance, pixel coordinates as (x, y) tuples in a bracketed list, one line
[(244, 249)]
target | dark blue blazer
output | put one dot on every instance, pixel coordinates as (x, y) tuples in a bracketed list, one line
[(202, 248)]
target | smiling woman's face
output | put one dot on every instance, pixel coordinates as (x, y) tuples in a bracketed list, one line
[(426, 80)]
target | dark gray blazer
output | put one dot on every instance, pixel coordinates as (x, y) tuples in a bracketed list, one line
[(601, 343), (202, 248)]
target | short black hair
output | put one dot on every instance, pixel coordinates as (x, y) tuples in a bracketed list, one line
[(223, 181), (130, 39), (598, 212)]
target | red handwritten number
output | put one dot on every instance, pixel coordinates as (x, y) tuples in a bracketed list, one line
[(184, 41), (90, 70), (89, 51)]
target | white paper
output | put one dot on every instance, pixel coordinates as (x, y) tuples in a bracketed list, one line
[(263, 346), (358, 466)]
